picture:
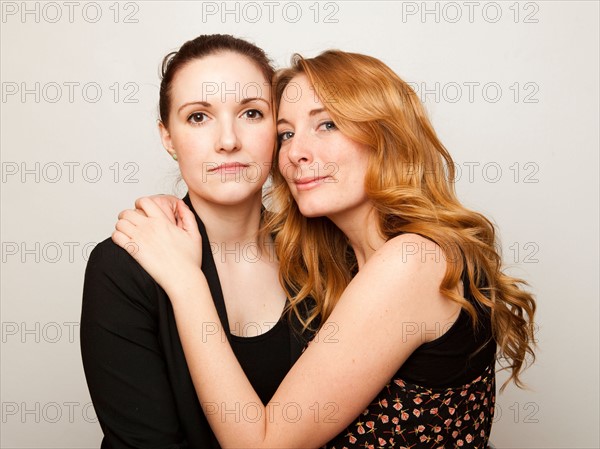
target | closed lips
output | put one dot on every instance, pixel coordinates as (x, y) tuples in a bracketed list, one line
[(309, 180), (229, 166), (310, 183)]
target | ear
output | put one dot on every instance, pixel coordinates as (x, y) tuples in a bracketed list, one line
[(165, 136)]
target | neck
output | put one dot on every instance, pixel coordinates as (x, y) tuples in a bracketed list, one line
[(362, 230), (237, 223)]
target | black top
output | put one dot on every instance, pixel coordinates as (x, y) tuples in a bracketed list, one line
[(442, 396), (134, 363), (264, 358), (458, 356)]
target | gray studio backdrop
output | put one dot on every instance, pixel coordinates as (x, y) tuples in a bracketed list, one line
[(511, 87)]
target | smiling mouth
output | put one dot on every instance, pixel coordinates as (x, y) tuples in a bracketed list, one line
[(310, 183)]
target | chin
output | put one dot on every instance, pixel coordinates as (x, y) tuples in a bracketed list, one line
[(231, 201), (236, 194), (312, 210)]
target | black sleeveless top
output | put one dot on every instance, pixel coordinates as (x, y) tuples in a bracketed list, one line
[(442, 396)]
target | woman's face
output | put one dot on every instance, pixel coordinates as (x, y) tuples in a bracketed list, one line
[(221, 128), (324, 169)]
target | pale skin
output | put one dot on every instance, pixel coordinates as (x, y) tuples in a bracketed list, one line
[(205, 131), (334, 379)]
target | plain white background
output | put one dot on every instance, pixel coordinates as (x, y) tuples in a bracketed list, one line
[(512, 89)]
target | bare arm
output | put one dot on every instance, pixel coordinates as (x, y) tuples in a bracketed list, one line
[(334, 380)]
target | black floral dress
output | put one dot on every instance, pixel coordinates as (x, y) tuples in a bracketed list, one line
[(443, 396), (406, 415)]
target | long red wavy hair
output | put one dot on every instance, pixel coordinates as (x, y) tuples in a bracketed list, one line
[(410, 182)]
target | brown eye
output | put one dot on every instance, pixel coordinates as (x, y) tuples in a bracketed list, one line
[(253, 114), (197, 117)]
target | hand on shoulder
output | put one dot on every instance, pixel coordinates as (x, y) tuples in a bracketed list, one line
[(168, 250), (166, 203)]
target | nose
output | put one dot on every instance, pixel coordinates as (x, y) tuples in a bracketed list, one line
[(298, 150), (228, 138)]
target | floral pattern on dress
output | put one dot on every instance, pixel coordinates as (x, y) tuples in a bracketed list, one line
[(407, 415)]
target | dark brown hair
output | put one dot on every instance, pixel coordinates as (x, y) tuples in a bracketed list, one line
[(205, 45)]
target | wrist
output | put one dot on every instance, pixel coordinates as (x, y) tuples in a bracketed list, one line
[(183, 282)]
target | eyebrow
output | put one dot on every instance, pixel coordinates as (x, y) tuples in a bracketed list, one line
[(310, 114), (208, 105), (251, 99), (194, 103)]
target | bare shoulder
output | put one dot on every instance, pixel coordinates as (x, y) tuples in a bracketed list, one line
[(413, 255), (408, 271), (407, 268)]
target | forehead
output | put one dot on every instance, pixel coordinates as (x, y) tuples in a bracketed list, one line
[(222, 77), (299, 96)]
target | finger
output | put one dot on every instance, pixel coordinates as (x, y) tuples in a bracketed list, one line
[(169, 201), (137, 201), (151, 208), (187, 218), (168, 204), (121, 214), (119, 238), (135, 217), (126, 227), (123, 241), (178, 214)]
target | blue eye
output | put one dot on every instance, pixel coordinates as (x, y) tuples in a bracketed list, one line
[(253, 114), (329, 125), (197, 118), (286, 135)]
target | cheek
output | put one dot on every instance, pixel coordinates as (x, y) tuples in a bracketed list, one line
[(261, 139), (267, 145), (280, 162), (263, 153), (192, 143)]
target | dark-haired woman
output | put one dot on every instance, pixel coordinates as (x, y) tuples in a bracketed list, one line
[(217, 122)]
